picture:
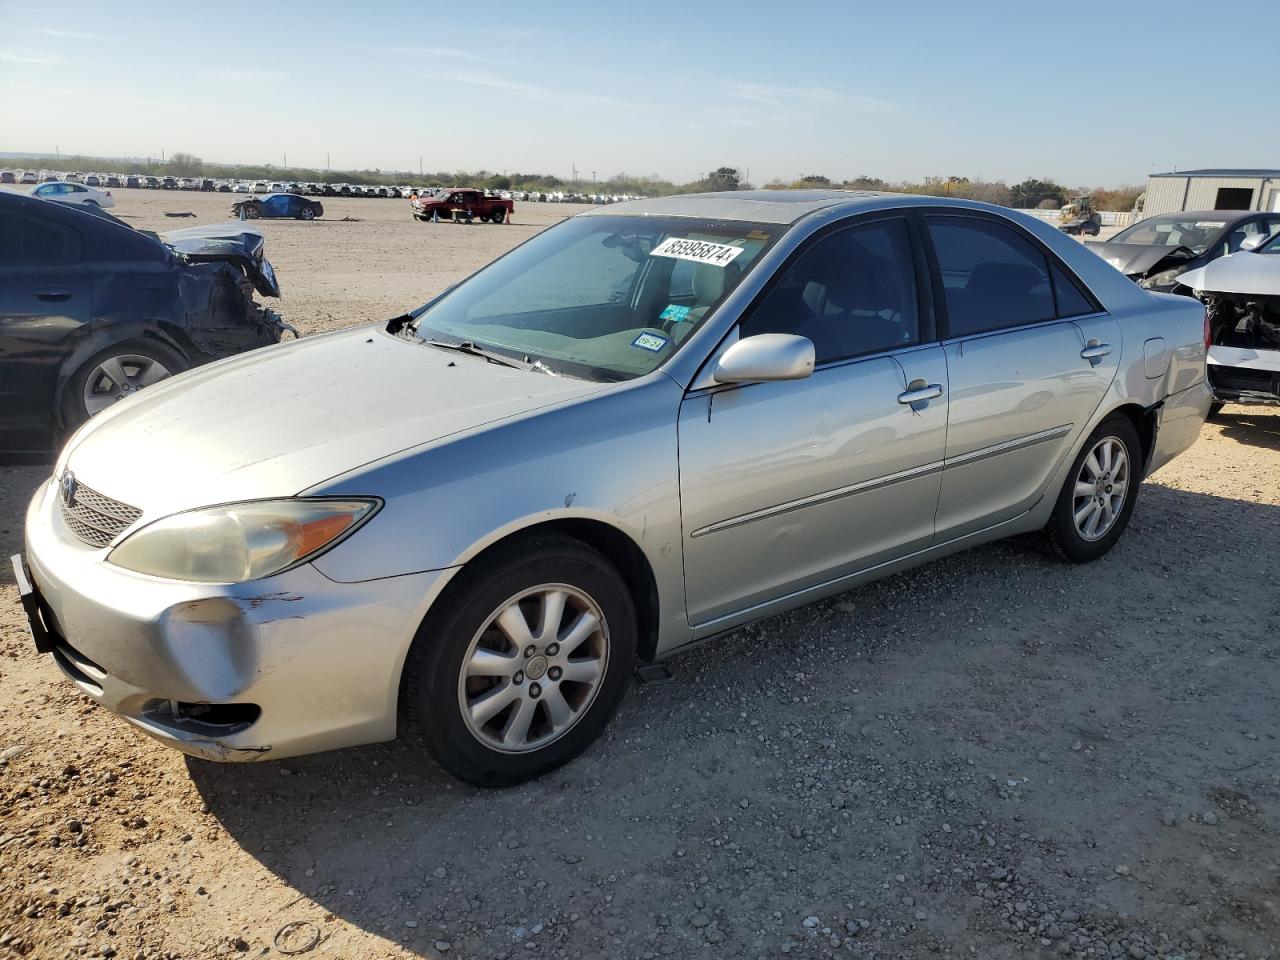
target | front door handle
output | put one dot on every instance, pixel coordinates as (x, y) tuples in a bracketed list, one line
[(1095, 350), (920, 391), (54, 296)]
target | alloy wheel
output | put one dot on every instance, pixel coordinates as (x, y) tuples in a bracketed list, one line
[(1100, 488), (118, 377), (533, 668)]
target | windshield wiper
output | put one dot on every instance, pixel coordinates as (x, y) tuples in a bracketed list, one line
[(543, 368), (466, 346)]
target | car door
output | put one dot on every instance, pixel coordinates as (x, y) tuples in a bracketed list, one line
[(276, 205), (44, 294), (1029, 355), (786, 486)]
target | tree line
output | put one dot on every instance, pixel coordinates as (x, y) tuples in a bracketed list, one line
[(1029, 193)]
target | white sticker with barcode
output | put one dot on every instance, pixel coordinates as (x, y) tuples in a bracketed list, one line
[(699, 251)]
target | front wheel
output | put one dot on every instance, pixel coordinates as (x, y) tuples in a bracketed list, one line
[(252, 211), (115, 374), (523, 662), (1099, 494)]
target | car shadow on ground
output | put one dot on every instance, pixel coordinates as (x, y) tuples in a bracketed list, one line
[(707, 784), (1256, 426)]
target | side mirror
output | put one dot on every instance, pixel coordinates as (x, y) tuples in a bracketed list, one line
[(1252, 243), (766, 356)]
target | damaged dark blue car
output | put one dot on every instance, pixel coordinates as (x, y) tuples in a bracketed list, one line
[(92, 310)]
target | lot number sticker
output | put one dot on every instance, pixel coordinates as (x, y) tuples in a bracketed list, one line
[(649, 341), (699, 251)]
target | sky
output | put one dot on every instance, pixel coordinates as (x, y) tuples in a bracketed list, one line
[(1087, 93)]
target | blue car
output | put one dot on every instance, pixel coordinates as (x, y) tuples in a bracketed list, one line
[(287, 205)]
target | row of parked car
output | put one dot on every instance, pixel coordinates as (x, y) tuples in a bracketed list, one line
[(138, 181)]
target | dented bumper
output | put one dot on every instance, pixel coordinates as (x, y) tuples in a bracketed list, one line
[(287, 665)]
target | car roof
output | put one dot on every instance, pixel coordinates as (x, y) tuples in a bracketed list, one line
[(759, 206), (787, 206), (101, 233)]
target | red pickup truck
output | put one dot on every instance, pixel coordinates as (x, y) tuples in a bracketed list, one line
[(465, 203)]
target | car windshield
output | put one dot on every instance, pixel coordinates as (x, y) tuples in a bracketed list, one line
[(1271, 246), (599, 297), (1195, 234)]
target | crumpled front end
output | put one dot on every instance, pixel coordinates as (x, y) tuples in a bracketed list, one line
[(1241, 293), (219, 313), (286, 665)]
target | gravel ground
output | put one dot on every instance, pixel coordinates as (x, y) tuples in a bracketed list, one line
[(995, 756)]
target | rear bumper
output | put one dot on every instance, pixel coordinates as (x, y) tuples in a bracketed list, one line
[(282, 666), (1180, 418)]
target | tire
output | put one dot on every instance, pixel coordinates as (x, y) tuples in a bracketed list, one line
[(252, 211), (497, 216), (514, 581), (152, 361), (1071, 540), (1215, 408), (307, 214)]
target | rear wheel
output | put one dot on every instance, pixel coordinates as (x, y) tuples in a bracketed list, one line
[(1098, 497), (115, 374), (497, 216), (522, 663), (308, 213)]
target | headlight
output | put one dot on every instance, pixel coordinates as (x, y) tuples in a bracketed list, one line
[(1162, 279), (240, 541)]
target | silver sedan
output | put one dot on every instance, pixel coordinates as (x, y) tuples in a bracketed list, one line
[(646, 426)]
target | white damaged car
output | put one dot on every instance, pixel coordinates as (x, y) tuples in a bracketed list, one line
[(1242, 296)]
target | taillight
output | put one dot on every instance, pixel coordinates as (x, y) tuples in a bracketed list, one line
[(109, 194), (1208, 330)]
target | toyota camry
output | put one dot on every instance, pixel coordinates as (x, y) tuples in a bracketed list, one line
[(646, 426)]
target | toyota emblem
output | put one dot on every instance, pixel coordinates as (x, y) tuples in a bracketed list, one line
[(67, 489)]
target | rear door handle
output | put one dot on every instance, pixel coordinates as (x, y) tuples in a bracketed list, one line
[(54, 296), (918, 391), (1095, 350)]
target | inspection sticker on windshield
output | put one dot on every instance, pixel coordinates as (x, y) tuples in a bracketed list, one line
[(699, 251), (675, 312), (649, 341)]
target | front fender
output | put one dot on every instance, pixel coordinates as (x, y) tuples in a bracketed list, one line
[(610, 458)]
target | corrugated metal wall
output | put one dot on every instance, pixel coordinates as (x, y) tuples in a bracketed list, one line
[(1171, 194), (1164, 195)]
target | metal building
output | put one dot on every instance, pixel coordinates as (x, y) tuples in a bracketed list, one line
[(1212, 190)]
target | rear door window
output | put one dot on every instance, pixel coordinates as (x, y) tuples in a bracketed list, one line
[(44, 242), (992, 277), (10, 238), (1071, 300)]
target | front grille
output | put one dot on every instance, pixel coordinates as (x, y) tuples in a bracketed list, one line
[(96, 519)]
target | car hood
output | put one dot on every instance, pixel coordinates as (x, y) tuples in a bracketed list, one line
[(276, 421), (1141, 259), (1248, 273)]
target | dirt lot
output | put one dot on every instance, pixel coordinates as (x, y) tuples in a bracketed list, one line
[(996, 756)]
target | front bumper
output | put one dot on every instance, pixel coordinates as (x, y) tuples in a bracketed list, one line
[(286, 665), (1244, 375)]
